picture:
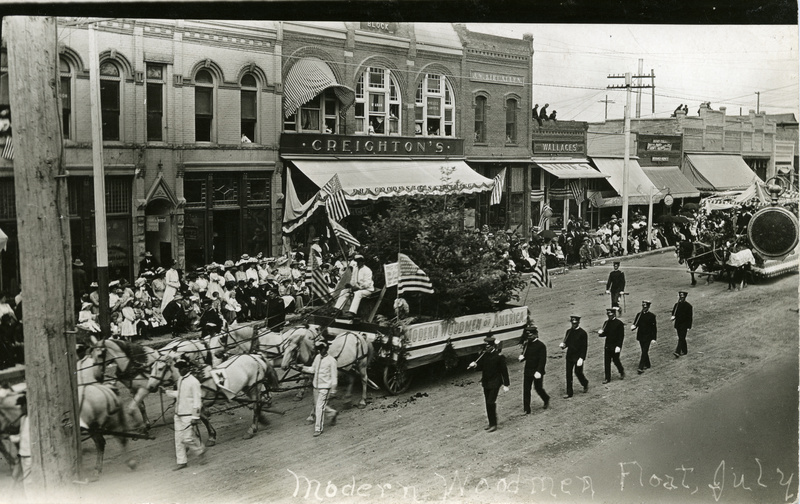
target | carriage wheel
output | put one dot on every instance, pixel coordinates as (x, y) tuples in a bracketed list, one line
[(396, 380)]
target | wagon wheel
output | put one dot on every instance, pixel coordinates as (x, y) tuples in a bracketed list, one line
[(396, 380)]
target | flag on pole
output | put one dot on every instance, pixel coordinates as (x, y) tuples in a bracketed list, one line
[(577, 191), (540, 276), (547, 212), (335, 203), (315, 278), (295, 214), (8, 150), (412, 278), (343, 234), (497, 190)]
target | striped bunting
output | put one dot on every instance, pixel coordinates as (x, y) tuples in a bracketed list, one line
[(497, 190), (540, 276), (8, 149), (315, 279), (343, 234), (537, 194), (547, 212), (412, 278), (335, 203), (559, 193)]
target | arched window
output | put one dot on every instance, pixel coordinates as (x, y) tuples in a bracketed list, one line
[(66, 98), (110, 79), (318, 115), (203, 106), (511, 121), (155, 102), (377, 107), (434, 107), (480, 119), (249, 109)]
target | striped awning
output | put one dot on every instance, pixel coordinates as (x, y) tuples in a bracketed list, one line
[(308, 78), (568, 168)]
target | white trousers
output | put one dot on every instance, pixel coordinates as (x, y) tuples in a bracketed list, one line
[(321, 407), (186, 437), (357, 297)]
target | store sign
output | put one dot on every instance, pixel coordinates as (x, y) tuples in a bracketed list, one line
[(659, 145), (512, 80), (391, 274), (152, 223), (558, 148), (434, 107), (369, 145), (660, 159), (379, 27)]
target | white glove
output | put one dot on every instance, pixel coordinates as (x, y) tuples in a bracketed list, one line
[(616, 350), (561, 345), (654, 342), (672, 317), (608, 292), (580, 362), (600, 331), (521, 358), (505, 388), (633, 327), (472, 365), (537, 375)]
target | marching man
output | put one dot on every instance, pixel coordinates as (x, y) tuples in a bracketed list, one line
[(325, 371), (682, 316), (494, 374), (576, 343), (534, 353), (187, 415), (645, 326), (615, 285), (614, 332)]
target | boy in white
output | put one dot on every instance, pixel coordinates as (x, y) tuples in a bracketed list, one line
[(187, 415), (324, 369)]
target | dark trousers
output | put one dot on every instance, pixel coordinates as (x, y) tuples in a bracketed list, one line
[(681, 348), (490, 395), (611, 355), (615, 298), (573, 365), (644, 361), (538, 386)]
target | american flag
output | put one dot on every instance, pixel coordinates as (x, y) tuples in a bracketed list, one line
[(412, 278), (8, 150), (577, 191), (547, 212), (540, 277), (343, 234), (497, 190), (335, 204), (315, 279)]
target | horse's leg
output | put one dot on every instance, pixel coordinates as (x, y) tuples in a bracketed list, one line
[(212, 433), (138, 400), (694, 282), (100, 445), (363, 373), (12, 461), (256, 412)]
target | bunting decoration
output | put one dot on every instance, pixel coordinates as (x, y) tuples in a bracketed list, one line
[(315, 278), (8, 149), (547, 212), (540, 276), (412, 278), (295, 214), (335, 203), (497, 190)]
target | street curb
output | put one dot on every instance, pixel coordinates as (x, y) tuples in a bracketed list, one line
[(563, 269)]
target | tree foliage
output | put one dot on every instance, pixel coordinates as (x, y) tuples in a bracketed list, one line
[(468, 277)]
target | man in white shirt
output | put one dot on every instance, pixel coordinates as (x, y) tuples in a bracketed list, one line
[(324, 369), (360, 286), (187, 415)]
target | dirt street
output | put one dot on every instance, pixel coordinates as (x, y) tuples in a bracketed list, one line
[(428, 444)]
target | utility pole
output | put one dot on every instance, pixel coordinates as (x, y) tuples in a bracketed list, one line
[(40, 186), (639, 90), (626, 166), (758, 102), (606, 101), (101, 232), (653, 85)]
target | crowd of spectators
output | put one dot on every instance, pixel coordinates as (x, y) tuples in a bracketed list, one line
[(11, 339)]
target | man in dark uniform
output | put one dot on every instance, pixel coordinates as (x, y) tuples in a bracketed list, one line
[(275, 311), (576, 343), (614, 332), (645, 326), (211, 321), (495, 374), (175, 315), (615, 285), (534, 353), (148, 263), (682, 316)]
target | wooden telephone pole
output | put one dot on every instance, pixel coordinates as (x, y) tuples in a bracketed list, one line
[(40, 185)]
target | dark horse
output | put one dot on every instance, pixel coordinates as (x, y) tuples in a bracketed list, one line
[(698, 254)]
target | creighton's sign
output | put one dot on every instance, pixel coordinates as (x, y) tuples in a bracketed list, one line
[(369, 145)]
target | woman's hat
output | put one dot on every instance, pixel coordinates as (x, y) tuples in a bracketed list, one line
[(282, 261), (94, 284), (77, 262)]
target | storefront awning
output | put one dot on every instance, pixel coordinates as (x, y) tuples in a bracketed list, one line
[(568, 168), (670, 179), (308, 78), (718, 172), (370, 179), (639, 186)]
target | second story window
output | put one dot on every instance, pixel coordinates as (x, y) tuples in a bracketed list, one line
[(203, 106), (377, 107), (318, 115), (109, 100), (66, 98), (511, 121), (249, 111), (480, 119), (155, 102), (434, 107)]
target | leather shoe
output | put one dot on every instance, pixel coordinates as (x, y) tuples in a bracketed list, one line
[(640, 371), (546, 404), (586, 388), (201, 459), (333, 419), (179, 467), (622, 375), (527, 412), (317, 433), (676, 354), (492, 428), (606, 381), (567, 396)]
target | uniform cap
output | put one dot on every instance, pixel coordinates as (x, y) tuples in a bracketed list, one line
[(684, 293), (611, 311), (617, 263), (575, 317), (489, 340), (646, 302), (358, 257)]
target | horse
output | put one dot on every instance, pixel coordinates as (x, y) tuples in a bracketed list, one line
[(102, 412), (737, 265), (10, 414), (697, 254), (125, 362), (353, 353)]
